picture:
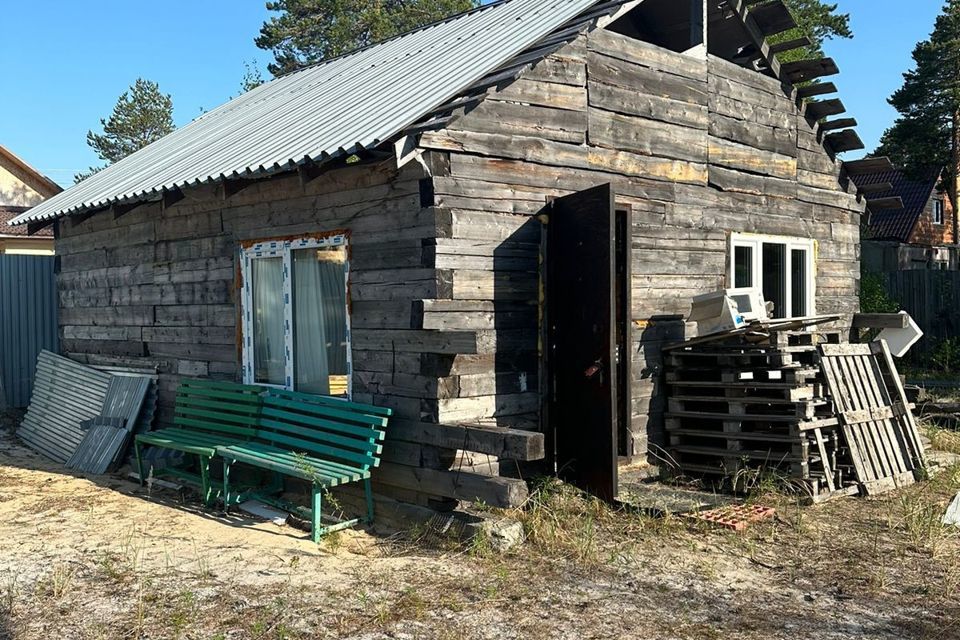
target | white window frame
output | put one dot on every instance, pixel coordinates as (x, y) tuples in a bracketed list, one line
[(284, 249), (938, 210), (755, 242)]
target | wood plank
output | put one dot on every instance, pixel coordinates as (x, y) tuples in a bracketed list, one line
[(508, 444), (880, 321), (499, 492), (817, 89)]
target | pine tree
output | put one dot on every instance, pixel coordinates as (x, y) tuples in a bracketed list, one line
[(308, 31), (927, 133), (142, 115)]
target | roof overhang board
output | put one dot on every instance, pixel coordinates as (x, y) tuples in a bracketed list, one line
[(847, 140), (807, 70), (823, 108), (877, 187), (881, 204), (773, 18), (790, 45), (818, 89), (839, 123), (854, 168)]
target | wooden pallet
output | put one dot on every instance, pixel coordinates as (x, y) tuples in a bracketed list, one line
[(875, 419)]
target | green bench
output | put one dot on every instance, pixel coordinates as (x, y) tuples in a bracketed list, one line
[(208, 414), (325, 441)]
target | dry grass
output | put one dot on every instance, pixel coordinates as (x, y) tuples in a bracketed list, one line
[(881, 567)]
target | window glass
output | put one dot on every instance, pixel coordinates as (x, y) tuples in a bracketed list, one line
[(742, 267), (798, 269), (320, 320), (774, 270), (269, 341), (938, 211)]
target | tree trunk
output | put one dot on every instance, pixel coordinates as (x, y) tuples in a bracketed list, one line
[(953, 183)]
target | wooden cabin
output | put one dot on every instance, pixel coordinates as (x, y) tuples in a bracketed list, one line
[(491, 225)]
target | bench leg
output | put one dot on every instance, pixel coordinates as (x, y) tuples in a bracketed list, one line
[(205, 487), (226, 485), (139, 454), (368, 489), (316, 531)]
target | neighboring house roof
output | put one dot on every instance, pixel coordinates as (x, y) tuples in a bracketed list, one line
[(9, 213), (333, 109), (23, 171), (898, 224)]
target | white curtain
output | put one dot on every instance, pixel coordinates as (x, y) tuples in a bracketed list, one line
[(314, 291), (269, 340)]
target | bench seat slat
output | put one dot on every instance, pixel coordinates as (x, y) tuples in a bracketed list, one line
[(302, 465), (318, 470), (204, 444)]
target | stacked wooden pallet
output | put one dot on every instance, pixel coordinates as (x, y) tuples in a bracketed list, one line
[(830, 418), (749, 405)]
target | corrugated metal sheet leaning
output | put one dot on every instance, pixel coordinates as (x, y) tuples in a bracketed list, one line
[(109, 434), (75, 408), (65, 394), (313, 115)]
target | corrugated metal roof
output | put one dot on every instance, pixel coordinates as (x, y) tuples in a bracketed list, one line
[(898, 224), (342, 106)]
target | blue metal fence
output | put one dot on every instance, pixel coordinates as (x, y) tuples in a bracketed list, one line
[(28, 321)]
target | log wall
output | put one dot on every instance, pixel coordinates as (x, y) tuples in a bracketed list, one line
[(696, 149)]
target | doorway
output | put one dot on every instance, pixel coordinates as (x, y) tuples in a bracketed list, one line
[(586, 336)]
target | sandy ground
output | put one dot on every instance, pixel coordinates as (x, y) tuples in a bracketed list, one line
[(99, 558)]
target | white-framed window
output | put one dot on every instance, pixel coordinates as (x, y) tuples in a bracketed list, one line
[(782, 267), (295, 315), (938, 211)]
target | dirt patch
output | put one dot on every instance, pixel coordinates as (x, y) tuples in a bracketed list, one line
[(99, 558)]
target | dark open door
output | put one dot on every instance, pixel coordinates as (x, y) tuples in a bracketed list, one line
[(580, 358)]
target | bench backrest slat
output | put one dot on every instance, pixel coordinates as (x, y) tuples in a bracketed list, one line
[(224, 408), (341, 432), (333, 402)]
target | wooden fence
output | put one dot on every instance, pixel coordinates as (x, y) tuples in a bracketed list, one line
[(28, 322), (933, 299)]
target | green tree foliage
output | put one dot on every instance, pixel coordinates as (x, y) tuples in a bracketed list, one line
[(927, 133), (308, 31), (142, 115), (816, 20), (252, 78), (873, 295)]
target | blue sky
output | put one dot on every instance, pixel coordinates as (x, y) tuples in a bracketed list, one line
[(69, 60)]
